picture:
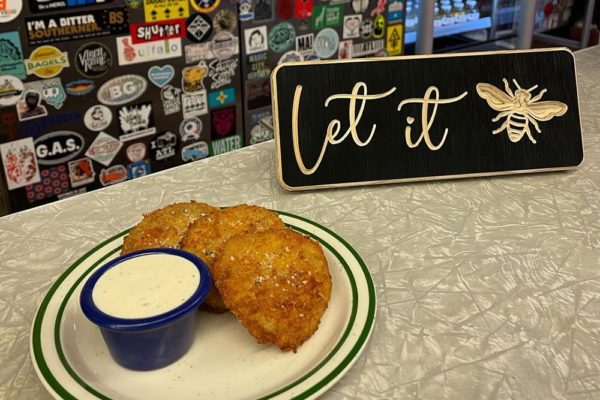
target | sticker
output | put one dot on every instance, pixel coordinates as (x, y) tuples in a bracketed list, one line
[(394, 40), (46, 62), (81, 172), (38, 6), (367, 48), (221, 98), (10, 9), (104, 149), (345, 50), (54, 181), (256, 39), (171, 99), (352, 26), (194, 104), (153, 31), (190, 129), (326, 43), (304, 8), (164, 146), (79, 25), (258, 66), (381, 53), (130, 53), (136, 121), (51, 90), (258, 94), (281, 37), (263, 10), (285, 9), (222, 122), (222, 72), (327, 16), (36, 128), (138, 169), (259, 134), (9, 125), (223, 45), (97, 118), (57, 147), (112, 175), (20, 165), (71, 193), (205, 6), (192, 77), (290, 56), (194, 152), (160, 76), (136, 152), (379, 9), (379, 27), (244, 10), (29, 107), (11, 62), (199, 27), (161, 10), (133, 3), (80, 87), (93, 60), (305, 43), (395, 11), (360, 6), (303, 25), (311, 57), (197, 52), (220, 146), (366, 28), (225, 20), (121, 89), (11, 90)]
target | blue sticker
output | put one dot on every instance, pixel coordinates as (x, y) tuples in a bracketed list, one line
[(138, 169), (80, 87), (160, 76), (11, 62), (326, 43), (221, 97), (395, 11)]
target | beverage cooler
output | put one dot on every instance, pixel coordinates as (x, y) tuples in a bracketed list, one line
[(96, 92), (275, 31), (466, 25)]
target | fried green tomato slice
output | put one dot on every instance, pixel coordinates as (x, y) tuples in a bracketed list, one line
[(165, 227), (277, 283), (205, 237)]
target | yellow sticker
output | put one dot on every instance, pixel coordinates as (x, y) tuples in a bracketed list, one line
[(162, 10), (205, 6), (46, 62), (394, 41)]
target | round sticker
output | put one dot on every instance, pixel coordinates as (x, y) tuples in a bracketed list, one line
[(326, 43), (199, 27), (190, 129), (291, 56), (11, 90), (10, 9), (281, 37), (223, 45), (46, 62), (97, 118), (205, 6), (93, 60), (136, 152), (225, 20)]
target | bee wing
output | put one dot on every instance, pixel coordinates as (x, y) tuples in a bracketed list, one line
[(496, 98), (546, 110)]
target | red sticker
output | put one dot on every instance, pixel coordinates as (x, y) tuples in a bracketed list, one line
[(304, 8), (153, 31), (284, 9)]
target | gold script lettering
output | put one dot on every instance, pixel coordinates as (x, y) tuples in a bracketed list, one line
[(426, 121), (333, 129)]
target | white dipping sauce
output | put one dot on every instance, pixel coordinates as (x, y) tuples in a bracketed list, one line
[(146, 286)]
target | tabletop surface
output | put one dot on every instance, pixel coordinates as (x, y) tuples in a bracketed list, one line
[(486, 288)]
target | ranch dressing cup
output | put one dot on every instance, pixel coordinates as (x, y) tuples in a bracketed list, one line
[(145, 304)]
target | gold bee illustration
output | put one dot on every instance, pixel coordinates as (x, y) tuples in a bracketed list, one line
[(519, 108)]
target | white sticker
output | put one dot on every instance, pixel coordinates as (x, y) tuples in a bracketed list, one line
[(11, 90), (352, 26), (10, 9), (194, 103), (20, 164), (97, 118), (256, 39), (104, 149), (129, 53)]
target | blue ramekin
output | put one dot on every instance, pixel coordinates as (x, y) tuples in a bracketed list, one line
[(148, 343)]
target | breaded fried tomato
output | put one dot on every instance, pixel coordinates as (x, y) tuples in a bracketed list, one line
[(164, 228), (206, 236), (276, 282)]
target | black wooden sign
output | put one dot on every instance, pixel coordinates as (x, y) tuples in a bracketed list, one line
[(369, 121)]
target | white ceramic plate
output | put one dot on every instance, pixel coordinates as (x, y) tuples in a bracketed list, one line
[(225, 362)]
